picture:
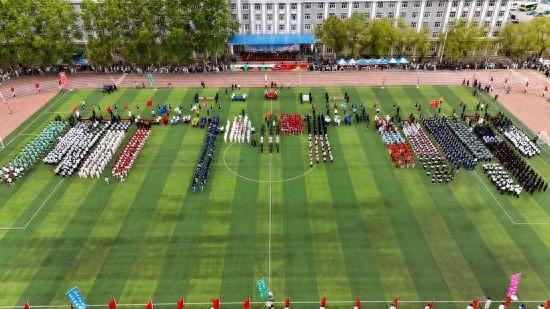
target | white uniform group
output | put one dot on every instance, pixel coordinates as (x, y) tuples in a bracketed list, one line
[(239, 131)]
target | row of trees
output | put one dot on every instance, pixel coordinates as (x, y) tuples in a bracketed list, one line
[(355, 36), (36, 32), (526, 39), (42, 32), (146, 31)]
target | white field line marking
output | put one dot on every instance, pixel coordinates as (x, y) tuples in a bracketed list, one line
[(270, 219), (281, 302), (36, 212), (35, 119), (120, 79)]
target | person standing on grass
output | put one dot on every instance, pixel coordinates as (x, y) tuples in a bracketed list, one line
[(487, 303), (106, 180)]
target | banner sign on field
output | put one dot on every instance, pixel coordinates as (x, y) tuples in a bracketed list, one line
[(261, 285), (514, 283), (76, 298), (63, 79)]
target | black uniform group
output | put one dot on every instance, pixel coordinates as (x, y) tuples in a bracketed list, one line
[(207, 154), (530, 180), (318, 139)]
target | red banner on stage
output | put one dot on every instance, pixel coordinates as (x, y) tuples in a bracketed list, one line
[(63, 79)]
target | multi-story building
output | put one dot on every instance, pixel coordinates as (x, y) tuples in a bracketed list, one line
[(303, 16)]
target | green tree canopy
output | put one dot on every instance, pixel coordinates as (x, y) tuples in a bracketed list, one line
[(463, 38), (526, 39)]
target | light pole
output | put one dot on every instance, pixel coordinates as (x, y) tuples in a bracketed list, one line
[(444, 41)]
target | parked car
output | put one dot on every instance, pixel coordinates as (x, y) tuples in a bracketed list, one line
[(532, 13)]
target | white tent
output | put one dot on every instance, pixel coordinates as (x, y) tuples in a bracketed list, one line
[(393, 61), (342, 62), (352, 62)]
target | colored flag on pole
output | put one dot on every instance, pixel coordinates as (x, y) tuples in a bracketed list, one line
[(75, 109), (63, 79), (395, 302), (27, 305), (287, 302), (216, 303), (180, 304), (324, 302), (475, 303), (431, 304), (109, 110), (149, 103), (435, 103), (149, 305), (357, 304), (514, 283), (112, 304), (246, 303), (547, 305), (507, 302), (261, 286)]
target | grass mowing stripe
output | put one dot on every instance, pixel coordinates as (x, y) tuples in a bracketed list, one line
[(363, 280), (385, 248), (415, 248), (299, 269), (123, 253), (182, 255), (238, 273), (43, 288), (204, 281)]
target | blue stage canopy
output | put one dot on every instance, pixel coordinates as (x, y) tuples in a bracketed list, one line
[(271, 39)]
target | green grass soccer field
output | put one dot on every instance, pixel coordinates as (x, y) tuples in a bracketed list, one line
[(356, 228)]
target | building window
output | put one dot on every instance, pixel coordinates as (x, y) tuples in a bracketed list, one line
[(504, 3), (404, 4), (477, 13), (379, 4), (332, 5), (344, 15), (344, 5), (424, 24), (293, 27), (307, 16), (320, 5), (268, 27), (269, 6), (331, 14), (479, 3), (245, 16), (417, 4), (427, 14), (454, 4), (307, 26), (500, 13), (378, 15), (492, 3), (464, 14), (415, 15), (281, 16), (413, 24), (498, 23), (452, 14), (402, 14), (294, 6), (269, 16), (439, 14), (233, 16), (429, 4), (467, 3), (258, 17), (437, 24), (320, 16), (282, 27), (408, 48), (257, 6), (391, 15), (307, 5), (496, 33), (367, 5), (392, 4), (259, 27), (245, 6), (489, 14), (435, 34), (355, 5), (246, 27), (433, 47), (233, 6), (281, 6), (441, 3), (293, 16), (367, 15), (486, 24)]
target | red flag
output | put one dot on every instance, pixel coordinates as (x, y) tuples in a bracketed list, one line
[(507, 302), (112, 304), (357, 303), (63, 79), (547, 306), (27, 306), (180, 304), (395, 302), (287, 302), (37, 85), (75, 109), (246, 303), (149, 103), (109, 110), (215, 302), (431, 304), (323, 302), (475, 303), (149, 305)]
